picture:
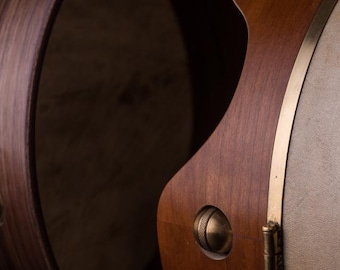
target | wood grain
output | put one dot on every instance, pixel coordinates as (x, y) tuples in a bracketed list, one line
[(231, 170), (215, 35), (23, 29)]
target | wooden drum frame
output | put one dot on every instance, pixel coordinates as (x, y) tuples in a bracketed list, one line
[(231, 171)]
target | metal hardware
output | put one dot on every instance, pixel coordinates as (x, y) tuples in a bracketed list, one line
[(288, 109), (273, 256), (273, 259), (213, 232)]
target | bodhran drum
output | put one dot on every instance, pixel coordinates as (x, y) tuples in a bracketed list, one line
[(94, 206), (311, 205)]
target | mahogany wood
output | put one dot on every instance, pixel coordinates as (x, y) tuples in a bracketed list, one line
[(23, 29), (215, 35), (231, 170)]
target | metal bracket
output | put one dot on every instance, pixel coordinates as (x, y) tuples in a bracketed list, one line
[(272, 236)]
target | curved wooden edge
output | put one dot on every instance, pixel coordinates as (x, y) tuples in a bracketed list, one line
[(207, 33), (231, 171), (24, 26)]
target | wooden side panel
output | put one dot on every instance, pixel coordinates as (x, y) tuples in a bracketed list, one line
[(22, 30), (215, 35), (231, 171)]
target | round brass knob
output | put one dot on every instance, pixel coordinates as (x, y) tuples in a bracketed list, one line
[(213, 232)]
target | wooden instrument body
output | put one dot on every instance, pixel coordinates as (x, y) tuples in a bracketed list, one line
[(24, 26), (231, 170)]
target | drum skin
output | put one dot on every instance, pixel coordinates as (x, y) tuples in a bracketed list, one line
[(312, 187)]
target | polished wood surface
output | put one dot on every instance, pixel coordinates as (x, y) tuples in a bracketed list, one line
[(23, 29), (215, 63), (231, 170)]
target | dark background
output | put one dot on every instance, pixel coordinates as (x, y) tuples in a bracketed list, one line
[(129, 91)]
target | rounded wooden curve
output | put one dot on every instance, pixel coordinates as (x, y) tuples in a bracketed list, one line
[(231, 170), (24, 26), (24, 31), (215, 35)]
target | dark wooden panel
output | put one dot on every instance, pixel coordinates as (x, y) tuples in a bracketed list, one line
[(23, 25), (231, 171), (215, 35)]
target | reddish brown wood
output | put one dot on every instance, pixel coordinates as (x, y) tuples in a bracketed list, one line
[(231, 171), (23, 28), (216, 37)]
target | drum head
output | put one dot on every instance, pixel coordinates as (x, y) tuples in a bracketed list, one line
[(312, 188)]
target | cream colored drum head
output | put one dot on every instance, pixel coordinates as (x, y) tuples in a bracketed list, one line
[(311, 210)]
